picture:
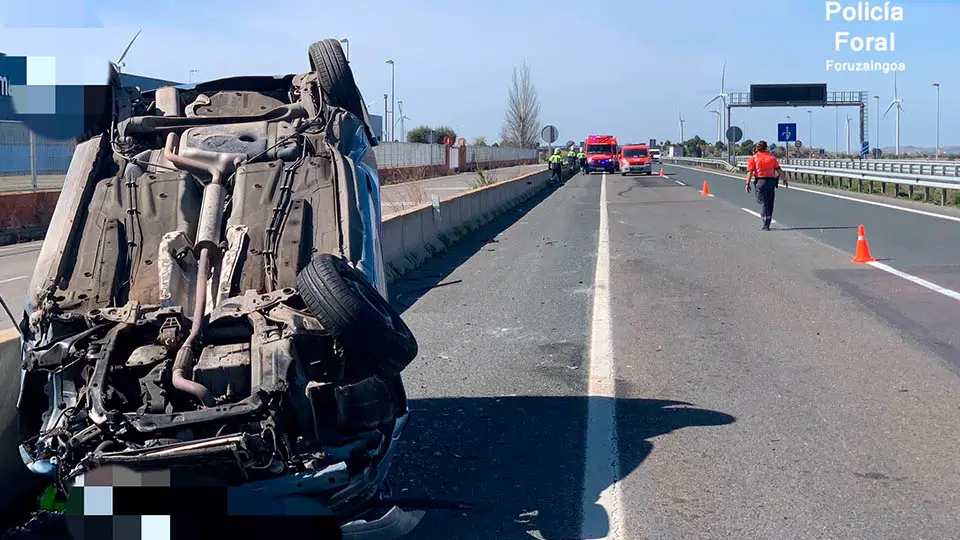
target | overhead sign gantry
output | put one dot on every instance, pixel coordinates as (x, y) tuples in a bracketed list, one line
[(802, 95)]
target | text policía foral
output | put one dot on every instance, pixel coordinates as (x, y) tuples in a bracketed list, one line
[(864, 12)]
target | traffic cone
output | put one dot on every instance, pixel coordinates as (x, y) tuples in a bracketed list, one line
[(706, 189), (863, 250), (661, 172)]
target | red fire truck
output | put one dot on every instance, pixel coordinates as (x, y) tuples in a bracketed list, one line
[(601, 153)]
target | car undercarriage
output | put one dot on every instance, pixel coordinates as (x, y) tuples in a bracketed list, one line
[(211, 296)]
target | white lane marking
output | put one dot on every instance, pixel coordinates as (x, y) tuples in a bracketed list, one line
[(25, 247), (18, 278), (844, 197), (919, 281), (710, 195), (756, 214), (602, 463), (679, 182), (875, 203)]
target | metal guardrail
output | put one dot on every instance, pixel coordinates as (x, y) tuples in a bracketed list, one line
[(900, 166), (855, 170), (699, 161)]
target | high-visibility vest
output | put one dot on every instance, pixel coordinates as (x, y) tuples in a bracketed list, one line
[(581, 155), (763, 165), (556, 158)]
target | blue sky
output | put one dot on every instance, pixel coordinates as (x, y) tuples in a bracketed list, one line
[(626, 69)]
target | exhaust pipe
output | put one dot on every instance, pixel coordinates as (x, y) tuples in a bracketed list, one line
[(207, 247)]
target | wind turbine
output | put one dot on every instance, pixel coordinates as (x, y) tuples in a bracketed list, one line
[(719, 124), (400, 120), (680, 124), (119, 65), (896, 103), (848, 133), (722, 96)]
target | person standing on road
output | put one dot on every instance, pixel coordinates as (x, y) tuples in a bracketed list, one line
[(572, 157), (764, 169), (581, 159), (556, 163)]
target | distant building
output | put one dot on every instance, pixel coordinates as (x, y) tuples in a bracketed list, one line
[(376, 125), (145, 84)]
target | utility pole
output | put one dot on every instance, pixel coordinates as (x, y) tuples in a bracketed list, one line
[(937, 85), (393, 97), (810, 138), (876, 143), (386, 126), (848, 134)]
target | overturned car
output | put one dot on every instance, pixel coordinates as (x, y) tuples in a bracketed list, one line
[(211, 295)]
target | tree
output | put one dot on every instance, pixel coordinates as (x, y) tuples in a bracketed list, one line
[(443, 132), (747, 147), (779, 152), (521, 126), (419, 134), (479, 141), (719, 146)]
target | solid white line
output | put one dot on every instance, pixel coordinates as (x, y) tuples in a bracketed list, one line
[(679, 182), (710, 195), (919, 281), (18, 278), (844, 197), (756, 214), (875, 203), (602, 464)]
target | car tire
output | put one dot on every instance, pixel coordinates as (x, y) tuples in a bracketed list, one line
[(356, 316), (336, 78)]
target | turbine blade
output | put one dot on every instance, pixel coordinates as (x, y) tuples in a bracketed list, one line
[(125, 51), (895, 93), (711, 101), (888, 109), (723, 76)]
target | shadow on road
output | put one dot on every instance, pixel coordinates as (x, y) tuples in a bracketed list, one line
[(407, 290), (519, 461)]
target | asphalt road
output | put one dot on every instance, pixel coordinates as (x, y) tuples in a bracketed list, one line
[(764, 386)]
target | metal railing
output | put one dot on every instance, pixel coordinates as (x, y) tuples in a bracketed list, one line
[(699, 161), (868, 170), (29, 162)]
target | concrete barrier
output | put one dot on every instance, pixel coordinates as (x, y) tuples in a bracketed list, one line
[(18, 483), (413, 236), (408, 239)]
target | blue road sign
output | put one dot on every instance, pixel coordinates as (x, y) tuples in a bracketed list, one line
[(822, 151), (786, 132), (865, 148)]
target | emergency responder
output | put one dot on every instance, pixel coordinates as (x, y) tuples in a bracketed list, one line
[(572, 157), (764, 169), (581, 159), (556, 164)]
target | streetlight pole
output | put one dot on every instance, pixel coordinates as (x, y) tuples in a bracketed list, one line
[(386, 126), (346, 43), (937, 85), (876, 143), (393, 98), (810, 138), (786, 144), (192, 71)]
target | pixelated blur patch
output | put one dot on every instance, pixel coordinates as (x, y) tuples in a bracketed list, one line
[(50, 14), (29, 94), (114, 502)]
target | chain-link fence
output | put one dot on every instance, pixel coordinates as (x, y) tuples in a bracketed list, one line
[(29, 162)]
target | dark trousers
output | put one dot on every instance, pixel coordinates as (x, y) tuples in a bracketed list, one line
[(766, 189), (555, 169)]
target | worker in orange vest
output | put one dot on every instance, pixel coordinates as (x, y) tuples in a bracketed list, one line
[(764, 169)]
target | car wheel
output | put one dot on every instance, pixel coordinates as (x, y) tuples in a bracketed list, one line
[(336, 78), (356, 315)]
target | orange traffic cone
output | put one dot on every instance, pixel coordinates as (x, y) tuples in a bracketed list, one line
[(661, 172), (863, 250), (706, 189)]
